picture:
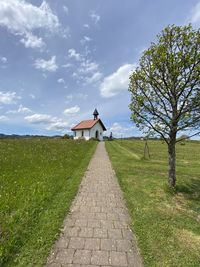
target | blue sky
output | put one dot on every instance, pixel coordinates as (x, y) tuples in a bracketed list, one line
[(61, 59)]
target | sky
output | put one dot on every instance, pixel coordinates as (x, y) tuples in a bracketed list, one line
[(59, 60)]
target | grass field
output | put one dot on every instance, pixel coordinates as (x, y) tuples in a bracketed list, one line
[(165, 222), (38, 180)]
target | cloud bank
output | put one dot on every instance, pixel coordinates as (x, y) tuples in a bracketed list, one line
[(117, 82)]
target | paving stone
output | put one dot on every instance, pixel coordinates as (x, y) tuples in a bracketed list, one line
[(71, 231), (71, 265), (124, 245), (108, 244), (94, 223), (115, 233), (62, 242), (82, 257), (118, 258), (86, 232), (134, 259), (106, 209), (76, 243), (95, 209), (100, 258), (127, 234), (112, 204), (101, 216), (54, 265), (85, 209), (92, 243), (64, 256), (89, 215), (69, 222), (91, 203), (123, 217), (112, 216), (106, 224), (100, 233), (120, 224), (81, 223)]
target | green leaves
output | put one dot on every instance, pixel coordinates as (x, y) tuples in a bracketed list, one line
[(165, 87)]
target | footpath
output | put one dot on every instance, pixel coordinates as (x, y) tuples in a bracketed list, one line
[(96, 232)]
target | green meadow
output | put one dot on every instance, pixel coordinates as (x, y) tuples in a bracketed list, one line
[(166, 222), (38, 181)]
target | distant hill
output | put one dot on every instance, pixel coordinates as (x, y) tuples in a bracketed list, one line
[(16, 136)]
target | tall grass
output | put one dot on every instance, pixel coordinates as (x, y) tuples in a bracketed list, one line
[(166, 222), (38, 180)]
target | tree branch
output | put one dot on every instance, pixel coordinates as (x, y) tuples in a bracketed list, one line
[(185, 138)]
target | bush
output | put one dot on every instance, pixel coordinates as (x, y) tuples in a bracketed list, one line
[(67, 136)]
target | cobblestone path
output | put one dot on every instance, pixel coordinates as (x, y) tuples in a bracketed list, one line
[(96, 233)]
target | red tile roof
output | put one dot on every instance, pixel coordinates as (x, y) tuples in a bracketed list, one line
[(88, 124)]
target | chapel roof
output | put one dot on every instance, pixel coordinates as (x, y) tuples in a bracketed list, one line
[(88, 124)]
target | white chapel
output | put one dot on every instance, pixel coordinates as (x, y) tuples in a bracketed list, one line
[(88, 129)]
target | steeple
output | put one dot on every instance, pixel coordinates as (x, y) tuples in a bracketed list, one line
[(95, 113)]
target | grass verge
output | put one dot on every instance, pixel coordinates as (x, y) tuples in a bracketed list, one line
[(166, 222), (38, 180)]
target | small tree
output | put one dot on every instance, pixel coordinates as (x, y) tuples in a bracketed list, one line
[(165, 88)]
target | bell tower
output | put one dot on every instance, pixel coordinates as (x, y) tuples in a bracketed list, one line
[(95, 114)]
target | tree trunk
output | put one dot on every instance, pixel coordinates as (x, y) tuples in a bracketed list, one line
[(172, 160)]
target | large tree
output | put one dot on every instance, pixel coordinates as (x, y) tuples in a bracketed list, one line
[(165, 88)]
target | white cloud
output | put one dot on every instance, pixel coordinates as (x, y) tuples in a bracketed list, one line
[(65, 32), (68, 65), (82, 96), (61, 80), (85, 39), (51, 123), (3, 59), (86, 26), (72, 111), (59, 125), (32, 96), (46, 65), (39, 119), (75, 75), (195, 17), (88, 67), (21, 109), (116, 127), (32, 41), (21, 18), (94, 78), (3, 118), (73, 54), (66, 9), (95, 17), (8, 97), (121, 131), (68, 98), (87, 71), (117, 82)]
